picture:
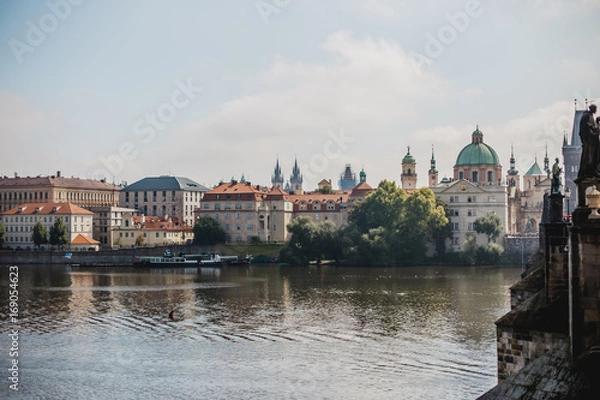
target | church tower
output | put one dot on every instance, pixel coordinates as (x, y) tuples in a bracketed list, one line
[(513, 179), (408, 177), (296, 178), (433, 172), (571, 151), (277, 177), (363, 176)]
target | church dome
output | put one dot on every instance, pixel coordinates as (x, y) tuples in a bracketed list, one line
[(408, 158), (477, 152)]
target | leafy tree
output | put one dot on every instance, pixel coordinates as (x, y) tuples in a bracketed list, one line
[(40, 234), (2, 234), (311, 241), (469, 253), (380, 208), (390, 221), (140, 240), (491, 225), (208, 231), (58, 233)]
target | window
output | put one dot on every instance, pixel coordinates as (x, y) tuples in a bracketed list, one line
[(461, 175), (249, 227), (475, 176), (454, 226), (489, 177), (470, 226), (206, 206)]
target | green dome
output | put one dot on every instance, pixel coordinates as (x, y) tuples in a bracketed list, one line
[(408, 158), (477, 152)]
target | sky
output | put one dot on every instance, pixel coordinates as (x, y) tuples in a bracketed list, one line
[(213, 90)]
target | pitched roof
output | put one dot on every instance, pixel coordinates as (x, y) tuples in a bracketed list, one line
[(82, 239), (165, 182), (361, 189), (341, 196), (534, 170), (244, 189), (155, 223), (57, 181), (47, 209)]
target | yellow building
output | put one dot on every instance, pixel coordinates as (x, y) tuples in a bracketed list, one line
[(151, 231)]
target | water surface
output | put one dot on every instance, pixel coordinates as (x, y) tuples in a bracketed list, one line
[(262, 332)]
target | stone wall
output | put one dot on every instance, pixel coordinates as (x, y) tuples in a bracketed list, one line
[(518, 347), (518, 248), (584, 268)]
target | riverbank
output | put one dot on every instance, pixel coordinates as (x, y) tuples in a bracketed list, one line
[(125, 256)]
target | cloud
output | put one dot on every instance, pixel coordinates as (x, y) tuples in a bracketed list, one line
[(367, 87), (531, 134), (378, 8)]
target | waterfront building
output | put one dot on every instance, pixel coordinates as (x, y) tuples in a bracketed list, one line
[(247, 212), (164, 196), (475, 191), (106, 219), (19, 223), (408, 178), (84, 193), (141, 230)]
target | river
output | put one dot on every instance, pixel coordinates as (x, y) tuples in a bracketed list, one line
[(259, 332)]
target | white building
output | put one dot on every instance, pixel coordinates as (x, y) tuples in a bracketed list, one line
[(19, 222)]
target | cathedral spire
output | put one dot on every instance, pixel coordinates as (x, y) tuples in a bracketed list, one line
[(296, 177), (277, 177)]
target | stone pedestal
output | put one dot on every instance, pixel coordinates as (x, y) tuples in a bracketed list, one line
[(556, 240), (584, 277)]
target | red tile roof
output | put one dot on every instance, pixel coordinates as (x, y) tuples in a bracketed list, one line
[(47, 209), (56, 181), (82, 239), (244, 190), (154, 223)]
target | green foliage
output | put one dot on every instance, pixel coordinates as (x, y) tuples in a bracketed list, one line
[(398, 225), (491, 225), (58, 233), (208, 232), (311, 242), (140, 240), (326, 189), (40, 234), (472, 254), (2, 234)]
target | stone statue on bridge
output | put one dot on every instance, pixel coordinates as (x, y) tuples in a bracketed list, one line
[(556, 172), (590, 157)]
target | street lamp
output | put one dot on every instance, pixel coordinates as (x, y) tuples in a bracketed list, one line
[(568, 196)]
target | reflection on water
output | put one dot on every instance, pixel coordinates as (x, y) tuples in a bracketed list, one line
[(259, 332)]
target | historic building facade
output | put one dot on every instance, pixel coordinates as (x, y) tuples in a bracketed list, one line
[(476, 190), (164, 196), (140, 230), (85, 193), (408, 177), (19, 222)]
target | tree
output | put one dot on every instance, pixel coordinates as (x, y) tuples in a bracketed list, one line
[(326, 189), (208, 232), (390, 221), (40, 234), (311, 241), (2, 234), (139, 240), (58, 233), (380, 208), (489, 225)]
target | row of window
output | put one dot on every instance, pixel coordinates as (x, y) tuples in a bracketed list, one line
[(36, 218), (455, 226), (471, 212), (475, 176), (157, 234), (29, 228)]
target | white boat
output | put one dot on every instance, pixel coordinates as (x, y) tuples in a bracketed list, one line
[(167, 260)]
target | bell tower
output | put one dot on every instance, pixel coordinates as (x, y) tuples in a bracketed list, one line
[(408, 178)]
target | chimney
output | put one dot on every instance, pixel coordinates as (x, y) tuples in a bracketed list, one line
[(16, 175), (58, 174)]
